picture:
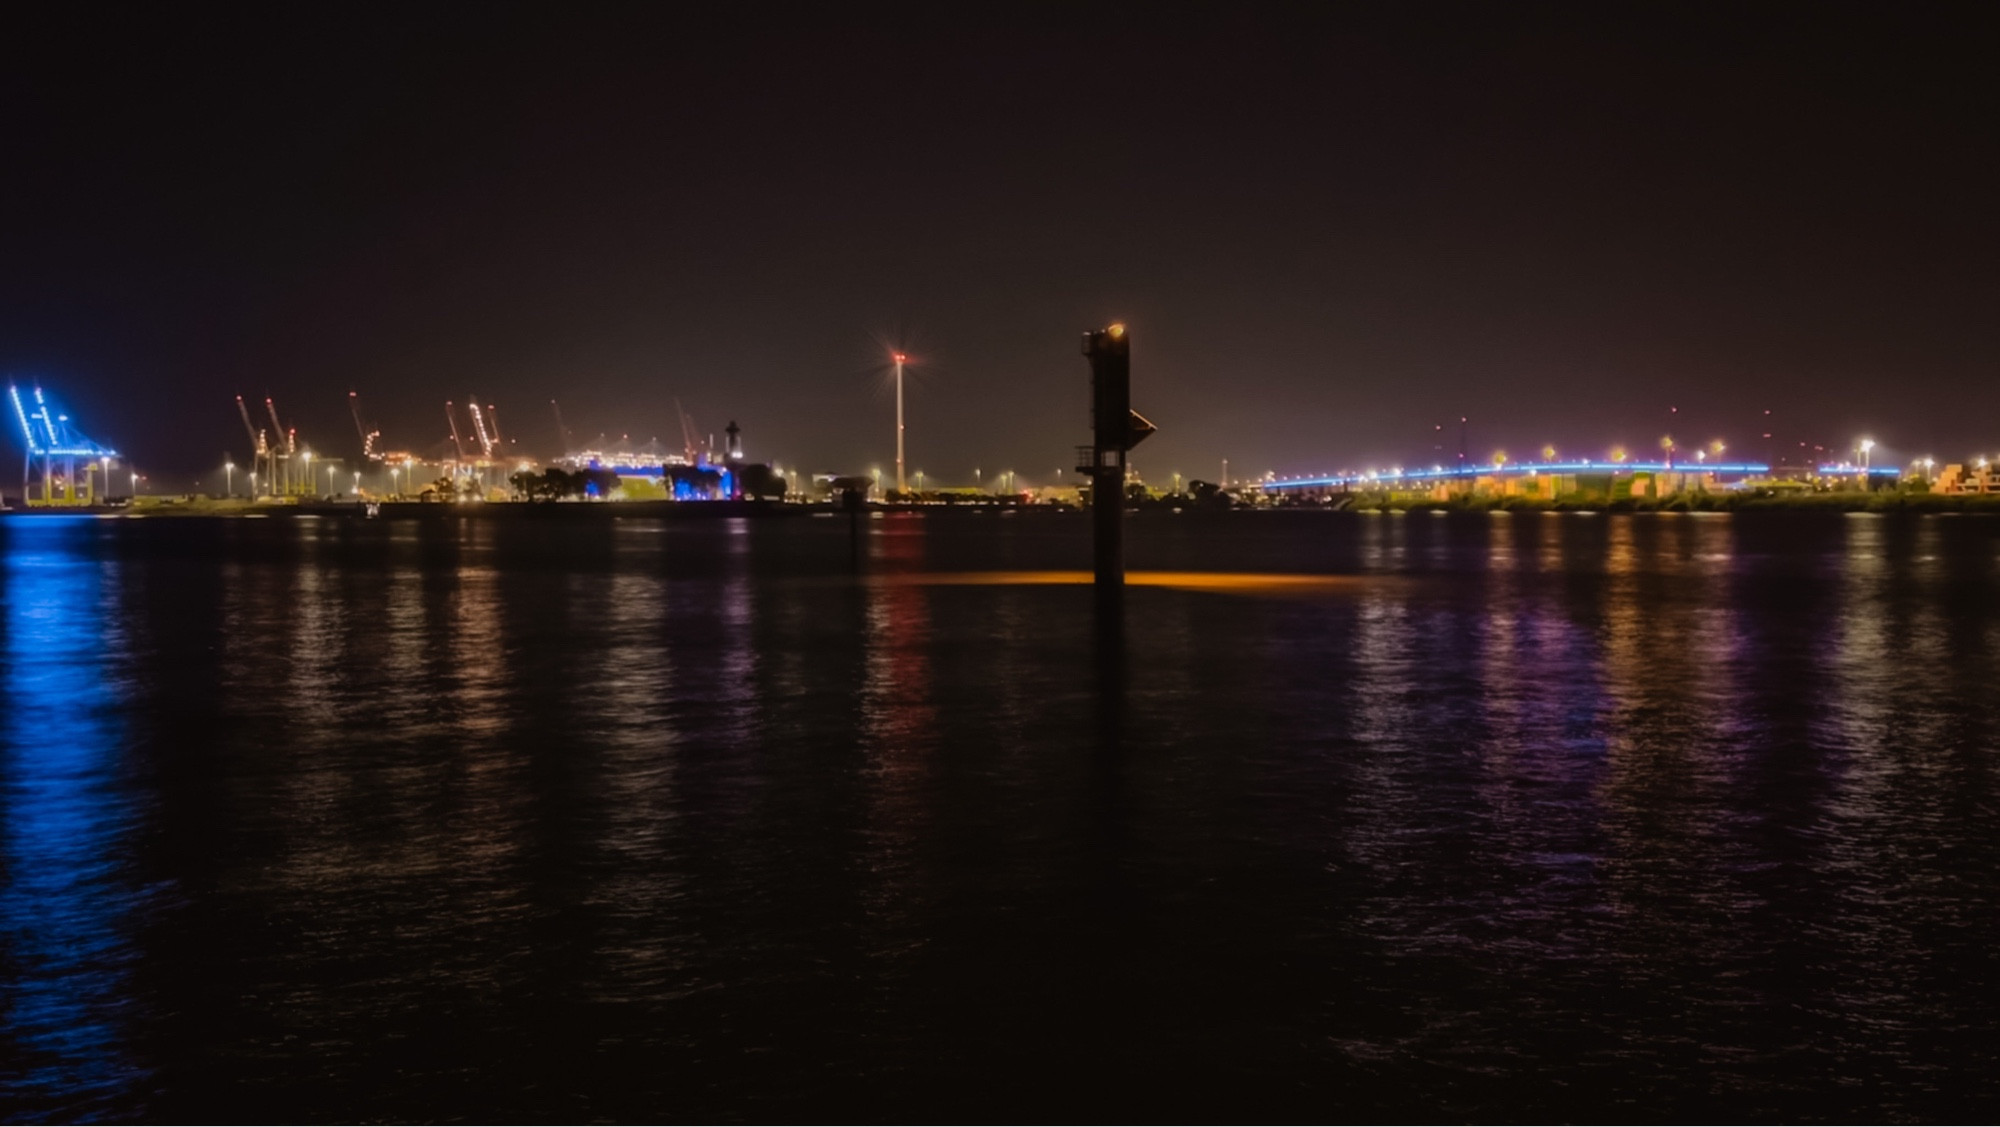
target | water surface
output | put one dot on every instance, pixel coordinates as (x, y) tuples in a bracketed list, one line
[(1497, 817)]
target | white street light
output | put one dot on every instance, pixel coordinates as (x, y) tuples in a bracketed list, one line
[(899, 421)]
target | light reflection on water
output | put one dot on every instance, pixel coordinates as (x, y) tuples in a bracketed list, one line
[(1510, 816), (66, 893)]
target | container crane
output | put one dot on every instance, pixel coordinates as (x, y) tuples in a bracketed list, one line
[(57, 437), (690, 435), (286, 444), (457, 443), (479, 428), (260, 447), (368, 437), (562, 432)]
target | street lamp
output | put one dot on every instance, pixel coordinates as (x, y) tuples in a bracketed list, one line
[(395, 484), (228, 478), (1867, 444), (357, 483), (899, 421), (307, 458)]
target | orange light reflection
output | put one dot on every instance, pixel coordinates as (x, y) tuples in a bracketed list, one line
[(1231, 583)]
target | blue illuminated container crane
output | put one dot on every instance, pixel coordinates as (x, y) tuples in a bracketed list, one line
[(50, 436)]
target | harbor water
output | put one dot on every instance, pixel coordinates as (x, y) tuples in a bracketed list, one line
[(1522, 816)]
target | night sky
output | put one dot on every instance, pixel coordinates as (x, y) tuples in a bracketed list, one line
[(1327, 233)]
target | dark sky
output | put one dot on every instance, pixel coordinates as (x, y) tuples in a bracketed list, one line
[(1327, 232)]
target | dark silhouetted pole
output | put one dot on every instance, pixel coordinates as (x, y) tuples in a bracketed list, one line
[(1110, 356), (1117, 429)]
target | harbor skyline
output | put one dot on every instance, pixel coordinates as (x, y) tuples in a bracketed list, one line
[(285, 458)]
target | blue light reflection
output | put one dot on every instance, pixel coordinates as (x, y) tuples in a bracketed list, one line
[(64, 895)]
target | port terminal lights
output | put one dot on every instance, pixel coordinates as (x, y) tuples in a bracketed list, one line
[(50, 436)]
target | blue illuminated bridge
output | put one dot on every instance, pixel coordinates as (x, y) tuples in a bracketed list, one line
[(1399, 478)]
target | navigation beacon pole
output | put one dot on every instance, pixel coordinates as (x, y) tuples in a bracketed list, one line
[(1116, 429)]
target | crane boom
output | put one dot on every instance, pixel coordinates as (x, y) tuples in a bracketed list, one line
[(368, 437), (278, 428), (493, 418), (451, 417), (479, 428), (244, 410), (690, 438)]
